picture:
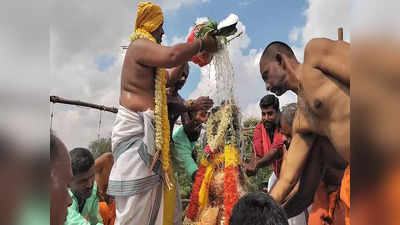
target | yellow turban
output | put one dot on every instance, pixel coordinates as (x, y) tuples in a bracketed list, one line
[(149, 17)]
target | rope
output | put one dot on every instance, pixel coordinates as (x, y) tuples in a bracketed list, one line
[(98, 131), (51, 116)]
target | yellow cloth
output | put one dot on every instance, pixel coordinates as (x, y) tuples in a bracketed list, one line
[(149, 17), (232, 156), (203, 193)]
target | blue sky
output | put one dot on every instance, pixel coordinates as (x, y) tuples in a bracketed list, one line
[(265, 21)]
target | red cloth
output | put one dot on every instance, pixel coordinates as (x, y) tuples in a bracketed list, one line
[(202, 58), (262, 145)]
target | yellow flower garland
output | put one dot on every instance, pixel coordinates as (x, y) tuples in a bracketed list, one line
[(162, 133), (232, 156), (162, 128), (224, 116)]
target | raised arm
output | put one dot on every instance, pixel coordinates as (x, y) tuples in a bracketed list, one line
[(151, 54), (331, 57)]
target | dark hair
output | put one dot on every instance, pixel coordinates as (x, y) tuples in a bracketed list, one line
[(258, 209), (270, 100), (53, 146), (275, 47), (81, 160), (288, 113)]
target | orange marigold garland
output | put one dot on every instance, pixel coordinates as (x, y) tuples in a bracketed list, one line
[(193, 207), (231, 192)]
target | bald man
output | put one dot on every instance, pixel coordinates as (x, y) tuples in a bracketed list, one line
[(322, 84)]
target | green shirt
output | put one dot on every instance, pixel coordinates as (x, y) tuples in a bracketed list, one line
[(35, 210), (90, 210), (182, 152)]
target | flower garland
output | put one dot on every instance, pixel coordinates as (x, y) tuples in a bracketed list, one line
[(199, 196), (231, 171), (224, 117), (211, 159), (162, 133), (162, 129), (193, 207)]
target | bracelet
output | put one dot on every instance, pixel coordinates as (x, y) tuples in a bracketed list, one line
[(189, 103)]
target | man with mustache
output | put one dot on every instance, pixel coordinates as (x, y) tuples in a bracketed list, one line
[(267, 139), (83, 190), (136, 179), (178, 107), (193, 114), (322, 121)]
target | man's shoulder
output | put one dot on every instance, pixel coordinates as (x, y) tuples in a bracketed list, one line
[(104, 159), (317, 44), (178, 133), (318, 47)]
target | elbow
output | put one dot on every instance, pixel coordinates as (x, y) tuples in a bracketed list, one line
[(174, 58)]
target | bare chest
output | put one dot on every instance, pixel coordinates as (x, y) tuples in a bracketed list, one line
[(322, 102), (137, 76)]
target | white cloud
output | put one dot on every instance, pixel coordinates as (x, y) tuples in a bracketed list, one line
[(294, 34), (323, 18), (252, 110), (177, 40), (372, 17)]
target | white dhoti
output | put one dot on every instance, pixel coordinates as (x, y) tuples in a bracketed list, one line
[(300, 219), (138, 191)]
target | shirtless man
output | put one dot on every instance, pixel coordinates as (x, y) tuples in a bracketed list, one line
[(322, 84), (139, 192)]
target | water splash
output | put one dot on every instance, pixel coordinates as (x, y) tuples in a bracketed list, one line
[(224, 77)]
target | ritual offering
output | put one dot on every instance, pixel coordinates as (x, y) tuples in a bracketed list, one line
[(220, 31), (219, 182)]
